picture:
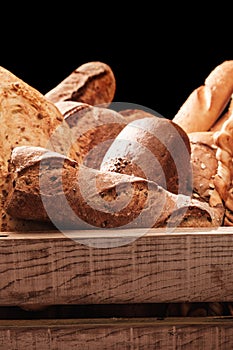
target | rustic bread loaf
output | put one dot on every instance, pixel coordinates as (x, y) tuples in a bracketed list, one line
[(92, 82), (92, 129), (154, 148), (27, 118), (49, 186), (206, 103)]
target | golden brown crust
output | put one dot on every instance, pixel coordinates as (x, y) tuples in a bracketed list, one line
[(93, 83), (27, 118), (206, 103), (221, 120), (224, 154)]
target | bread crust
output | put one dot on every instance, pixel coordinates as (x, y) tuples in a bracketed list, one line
[(153, 148), (206, 103), (204, 163), (225, 116), (92, 82), (92, 129), (27, 118), (98, 199)]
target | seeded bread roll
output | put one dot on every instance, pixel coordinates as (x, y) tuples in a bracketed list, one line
[(204, 163), (48, 186), (27, 118), (93, 83), (206, 103), (154, 148)]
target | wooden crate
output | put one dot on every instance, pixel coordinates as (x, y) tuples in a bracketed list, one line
[(85, 269)]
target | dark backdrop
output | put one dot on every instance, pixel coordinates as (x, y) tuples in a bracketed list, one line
[(158, 58)]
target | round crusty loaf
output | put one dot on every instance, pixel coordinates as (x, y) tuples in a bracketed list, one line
[(27, 118), (92, 82), (206, 103), (50, 186), (154, 148)]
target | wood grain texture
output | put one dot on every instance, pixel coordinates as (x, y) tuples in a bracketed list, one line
[(158, 267), (119, 334)]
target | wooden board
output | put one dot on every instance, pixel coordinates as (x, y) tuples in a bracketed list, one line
[(156, 267), (118, 334)]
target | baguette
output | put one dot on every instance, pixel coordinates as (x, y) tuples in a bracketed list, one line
[(92, 83), (207, 102), (49, 186), (224, 177), (226, 115)]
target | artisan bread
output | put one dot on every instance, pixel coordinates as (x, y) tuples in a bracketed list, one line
[(226, 115), (204, 163), (92, 129), (154, 148), (49, 186), (223, 180), (207, 102), (27, 118), (92, 82)]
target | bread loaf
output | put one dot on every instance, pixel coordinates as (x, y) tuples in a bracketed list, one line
[(93, 83), (92, 129), (206, 103), (154, 148), (223, 180), (48, 186), (226, 115), (27, 118)]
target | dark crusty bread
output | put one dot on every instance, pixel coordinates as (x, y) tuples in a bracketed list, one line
[(48, 186), (92, 129), (204, 163), (154, 148), (92, 82), (27, 118)]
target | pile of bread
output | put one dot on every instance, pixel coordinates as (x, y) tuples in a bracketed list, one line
[(73, 159)]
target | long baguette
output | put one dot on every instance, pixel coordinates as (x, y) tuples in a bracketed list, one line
[(49, 186), (206, 103)]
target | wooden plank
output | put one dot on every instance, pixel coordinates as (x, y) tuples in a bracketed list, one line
[(117, 334), (157, 267)]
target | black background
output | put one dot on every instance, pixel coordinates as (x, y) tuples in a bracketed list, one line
[(158, 56)]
